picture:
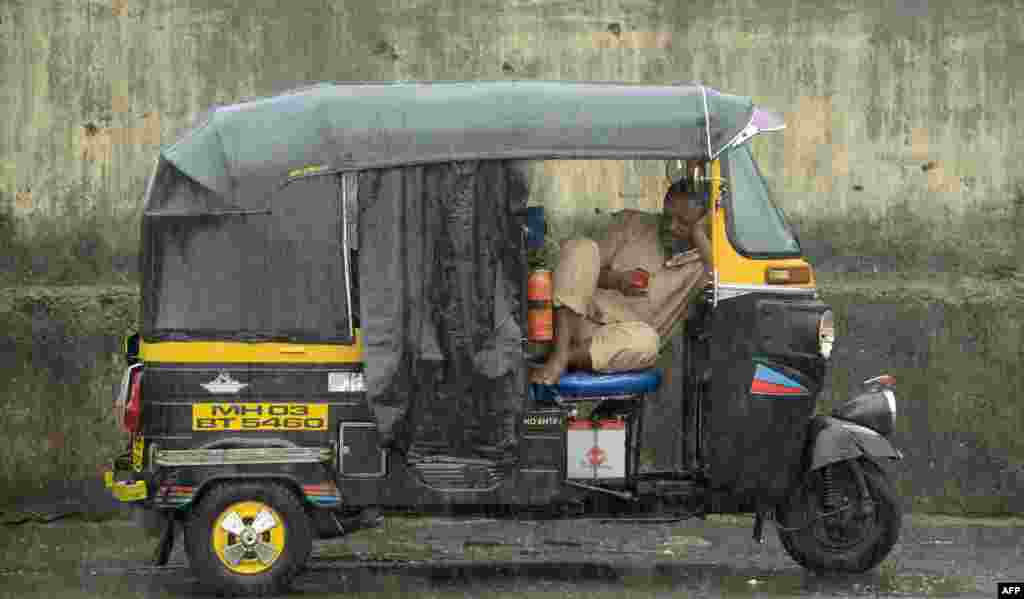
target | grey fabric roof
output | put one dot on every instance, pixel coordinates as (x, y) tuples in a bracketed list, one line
[(330, 127)]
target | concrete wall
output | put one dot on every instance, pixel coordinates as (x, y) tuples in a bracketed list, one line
[(907, 100)]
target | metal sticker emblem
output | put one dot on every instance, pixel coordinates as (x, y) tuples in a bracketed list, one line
[(224, 384)]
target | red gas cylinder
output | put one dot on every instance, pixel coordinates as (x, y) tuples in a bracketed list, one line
[(540, 314)]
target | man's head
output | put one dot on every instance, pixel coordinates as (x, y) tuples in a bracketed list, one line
[(684, 206)]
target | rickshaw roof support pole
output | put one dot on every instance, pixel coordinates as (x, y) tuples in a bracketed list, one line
[(707, 118)]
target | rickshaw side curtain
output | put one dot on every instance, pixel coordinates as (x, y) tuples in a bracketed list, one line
[(440, 267)]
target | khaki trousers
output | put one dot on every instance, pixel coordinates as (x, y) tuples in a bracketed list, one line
[(617, 342)]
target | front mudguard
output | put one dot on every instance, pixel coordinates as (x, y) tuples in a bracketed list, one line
[(835, 440)]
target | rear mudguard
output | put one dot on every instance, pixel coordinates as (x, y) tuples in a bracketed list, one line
[(835, 440)]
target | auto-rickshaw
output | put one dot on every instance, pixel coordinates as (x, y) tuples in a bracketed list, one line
[(334, 306)]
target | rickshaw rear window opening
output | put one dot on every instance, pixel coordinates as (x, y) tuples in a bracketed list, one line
[(277, 273), (756, 227)]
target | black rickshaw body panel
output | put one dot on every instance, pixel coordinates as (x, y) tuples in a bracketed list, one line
[(359, 473), (225, 406), (181, 412), (766, 376)]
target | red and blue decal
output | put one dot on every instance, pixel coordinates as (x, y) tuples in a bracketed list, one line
[(324, 495), (174, 496), (772, 383)]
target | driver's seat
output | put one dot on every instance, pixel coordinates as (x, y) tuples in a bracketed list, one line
[(619, 393), (584, 385)]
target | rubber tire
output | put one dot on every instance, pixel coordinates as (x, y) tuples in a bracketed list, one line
[(803, 547), (207, 566)]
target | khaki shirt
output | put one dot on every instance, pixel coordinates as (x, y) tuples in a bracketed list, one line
[(633, 241)]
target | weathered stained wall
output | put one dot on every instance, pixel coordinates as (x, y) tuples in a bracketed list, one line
[(912, 100)]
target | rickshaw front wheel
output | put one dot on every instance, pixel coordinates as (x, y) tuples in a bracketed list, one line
[(842, 536), (248, 538)]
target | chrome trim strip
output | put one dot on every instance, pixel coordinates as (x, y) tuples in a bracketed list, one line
[(346, 182), (152, 180), (714, 301), (243, 455), (732, 291)]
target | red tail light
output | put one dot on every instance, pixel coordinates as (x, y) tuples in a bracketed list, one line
[(886, 380), (132, 417)]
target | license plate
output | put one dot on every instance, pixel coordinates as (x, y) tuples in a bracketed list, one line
[(259, 417)]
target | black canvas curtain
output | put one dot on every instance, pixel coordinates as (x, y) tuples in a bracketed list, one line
[(441, 267)]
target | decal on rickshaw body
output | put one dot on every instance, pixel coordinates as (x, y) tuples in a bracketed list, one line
[(345, 382), (174, 496), (543, 422), (259, 417), (772, 383), (224, 384)]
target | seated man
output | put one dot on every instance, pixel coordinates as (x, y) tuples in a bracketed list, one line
[(602, 322)]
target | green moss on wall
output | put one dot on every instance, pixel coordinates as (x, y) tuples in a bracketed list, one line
[(88, 248)]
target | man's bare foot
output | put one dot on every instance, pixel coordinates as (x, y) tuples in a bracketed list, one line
[(551, 371)]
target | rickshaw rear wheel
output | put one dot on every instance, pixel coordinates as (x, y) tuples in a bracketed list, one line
[(851, 539), (248, 538)]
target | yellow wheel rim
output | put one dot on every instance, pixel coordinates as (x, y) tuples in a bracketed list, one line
[(248, 537)]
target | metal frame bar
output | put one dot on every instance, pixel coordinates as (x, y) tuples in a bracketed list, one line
[(243, 455)]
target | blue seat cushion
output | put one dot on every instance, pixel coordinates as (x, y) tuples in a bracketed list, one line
[(581, 384)]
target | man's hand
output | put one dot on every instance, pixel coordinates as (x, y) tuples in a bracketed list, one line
[(620, 280), (626, 284), (700, 241), (682, 259), (703, 221)]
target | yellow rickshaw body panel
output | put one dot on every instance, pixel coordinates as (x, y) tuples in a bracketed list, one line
[(242, 352), (731, 267)]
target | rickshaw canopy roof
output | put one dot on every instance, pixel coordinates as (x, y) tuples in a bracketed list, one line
[(353, 126)]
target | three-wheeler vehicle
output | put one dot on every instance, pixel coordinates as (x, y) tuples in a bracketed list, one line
[(333, 327)]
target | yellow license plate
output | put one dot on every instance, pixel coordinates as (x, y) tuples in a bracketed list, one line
[(259, 417), (138, 446)]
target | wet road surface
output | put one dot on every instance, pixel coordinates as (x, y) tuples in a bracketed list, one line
[(936, 557)]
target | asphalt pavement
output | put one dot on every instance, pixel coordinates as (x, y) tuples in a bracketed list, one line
[(936, 557)]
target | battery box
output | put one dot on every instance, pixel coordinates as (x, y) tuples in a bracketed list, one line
[(596, 450)]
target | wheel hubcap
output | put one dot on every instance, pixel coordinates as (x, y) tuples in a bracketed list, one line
[(248, 537)]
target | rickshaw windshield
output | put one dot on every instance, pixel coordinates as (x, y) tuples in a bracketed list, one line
[(756, 226)]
